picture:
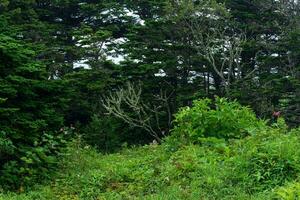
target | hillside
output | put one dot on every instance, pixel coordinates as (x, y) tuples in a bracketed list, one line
[(171, 99), (264, 166)]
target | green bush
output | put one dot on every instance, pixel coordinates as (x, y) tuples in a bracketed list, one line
[(34, 163), (290, 191), (266, 160), (222, 119)]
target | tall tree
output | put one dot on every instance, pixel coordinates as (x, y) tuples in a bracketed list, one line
[(30, 115)]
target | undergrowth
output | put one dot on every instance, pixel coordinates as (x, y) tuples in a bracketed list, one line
[(260, 163), (264, 166)]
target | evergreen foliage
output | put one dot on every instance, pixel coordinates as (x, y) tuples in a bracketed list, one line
[(29, 114), (65, 66)]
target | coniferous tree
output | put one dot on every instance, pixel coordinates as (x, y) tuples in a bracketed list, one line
[(30, 113)]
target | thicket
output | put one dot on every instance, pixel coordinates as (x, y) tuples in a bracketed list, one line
[(63, 65), (216, 118), (263, 164)]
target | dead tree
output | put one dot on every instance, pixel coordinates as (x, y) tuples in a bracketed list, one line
[(126, 104), (221, 50), (213, 38)]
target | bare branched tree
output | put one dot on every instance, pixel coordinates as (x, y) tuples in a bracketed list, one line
[(127, 104), (221, 50), (214, 39)]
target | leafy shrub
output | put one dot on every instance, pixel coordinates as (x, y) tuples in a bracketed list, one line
[(223, 120), (34, 163), (290, 191), (266, 160)]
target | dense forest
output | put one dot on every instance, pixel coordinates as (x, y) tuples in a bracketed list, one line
[(149, 99)]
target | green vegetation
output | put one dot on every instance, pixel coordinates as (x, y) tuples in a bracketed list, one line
[(222, 120), (29, 137), (252, 168), (261, 165), (171, 99)]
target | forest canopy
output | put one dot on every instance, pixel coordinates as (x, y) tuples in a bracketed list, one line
[(122, 73)]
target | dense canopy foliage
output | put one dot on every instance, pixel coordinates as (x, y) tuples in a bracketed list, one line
[(120, 73)]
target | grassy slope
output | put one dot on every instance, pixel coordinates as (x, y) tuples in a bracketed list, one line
[(249, 169), (142, 173)]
